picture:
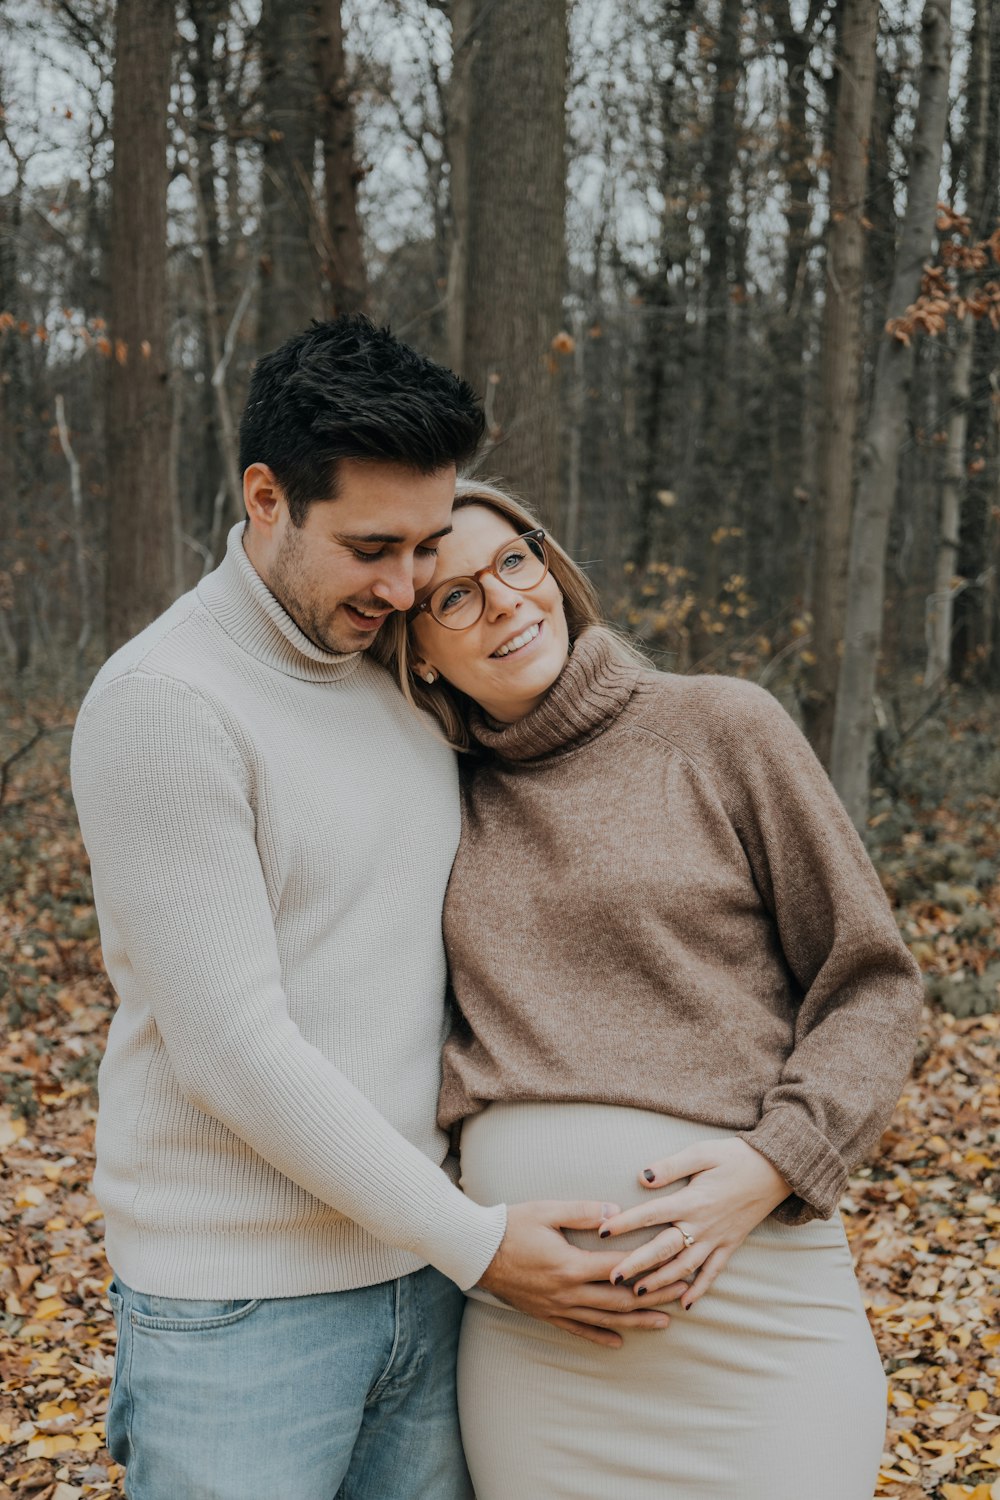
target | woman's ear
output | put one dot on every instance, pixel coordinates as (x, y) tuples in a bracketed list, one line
[(424, 670)]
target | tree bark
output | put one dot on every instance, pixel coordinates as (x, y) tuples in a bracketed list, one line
[(290, 279), (792, 326), (457, 99), (513, 236), (852, 733), (707, 505), (343, 266), (657, 341), (941, 611), (140, 567), (840, 362)]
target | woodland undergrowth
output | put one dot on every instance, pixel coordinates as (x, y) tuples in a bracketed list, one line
[(923, 1220)]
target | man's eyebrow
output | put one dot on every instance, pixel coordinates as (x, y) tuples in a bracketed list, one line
[(385, 537)]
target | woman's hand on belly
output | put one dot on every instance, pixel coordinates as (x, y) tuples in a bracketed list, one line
[(731, 1189)]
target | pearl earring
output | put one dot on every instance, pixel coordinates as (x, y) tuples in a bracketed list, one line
[(430, 676)]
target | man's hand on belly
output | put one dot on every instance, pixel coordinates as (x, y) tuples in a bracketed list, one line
[(539, 1272)]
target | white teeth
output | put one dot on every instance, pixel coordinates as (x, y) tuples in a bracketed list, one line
[(518, 641)]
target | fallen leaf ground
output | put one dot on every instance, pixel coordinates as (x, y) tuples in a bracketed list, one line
[(923, 1220)]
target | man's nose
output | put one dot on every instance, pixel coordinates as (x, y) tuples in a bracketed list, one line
[(396, 586)]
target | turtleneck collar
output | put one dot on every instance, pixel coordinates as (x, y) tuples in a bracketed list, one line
[(244, 606), (587, 696)]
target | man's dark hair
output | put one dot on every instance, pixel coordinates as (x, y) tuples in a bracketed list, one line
[(346, 389)]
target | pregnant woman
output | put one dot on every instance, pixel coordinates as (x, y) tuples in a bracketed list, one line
[(680, 989)]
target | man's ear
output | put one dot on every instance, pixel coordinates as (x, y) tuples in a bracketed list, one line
[(263, 496)]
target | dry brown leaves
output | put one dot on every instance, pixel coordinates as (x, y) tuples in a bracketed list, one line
[(924, 1220)]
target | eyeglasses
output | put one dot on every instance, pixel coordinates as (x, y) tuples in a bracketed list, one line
[(459, 602)]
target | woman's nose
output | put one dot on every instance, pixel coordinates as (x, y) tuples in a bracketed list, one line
[(500, 598)]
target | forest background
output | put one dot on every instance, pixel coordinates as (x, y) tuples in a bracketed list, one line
[(727, 275)]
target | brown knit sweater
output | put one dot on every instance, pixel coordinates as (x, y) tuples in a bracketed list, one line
[(659, 901)]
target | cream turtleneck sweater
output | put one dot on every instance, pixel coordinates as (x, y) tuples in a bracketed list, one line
[(270, 832), (659, 901)]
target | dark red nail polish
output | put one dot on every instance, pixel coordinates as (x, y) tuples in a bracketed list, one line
[(604, 1233), (649, 1176), (617, 1281), (641, 1291)]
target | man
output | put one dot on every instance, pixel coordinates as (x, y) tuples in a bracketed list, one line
[(271, 832)]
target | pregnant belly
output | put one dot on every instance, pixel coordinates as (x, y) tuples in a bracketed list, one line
[(514, 1153)]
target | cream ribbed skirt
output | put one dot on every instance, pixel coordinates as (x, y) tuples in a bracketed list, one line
[(770, 1388)]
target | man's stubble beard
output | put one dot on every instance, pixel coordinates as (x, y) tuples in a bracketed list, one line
[(284, 583)]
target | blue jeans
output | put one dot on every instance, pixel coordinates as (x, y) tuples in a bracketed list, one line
[(340, 1396)]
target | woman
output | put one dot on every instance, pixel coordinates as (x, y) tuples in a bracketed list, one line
[(680, 988)]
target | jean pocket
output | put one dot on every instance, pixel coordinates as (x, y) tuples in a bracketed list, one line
[(187, 1315)]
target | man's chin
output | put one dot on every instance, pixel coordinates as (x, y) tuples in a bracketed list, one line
[(347, 638)]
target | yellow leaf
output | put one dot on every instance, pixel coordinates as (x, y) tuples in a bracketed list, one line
[(30, 1196), (50, 1307), (11, 1129), (88, 1442), (48, 1447), (977, 1401), (993, 1259), (49, 1410)]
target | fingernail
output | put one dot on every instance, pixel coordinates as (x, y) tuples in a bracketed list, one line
[(617, 1280), (641, 1291), (603, 1233), (662, 1323), (649, 1175)]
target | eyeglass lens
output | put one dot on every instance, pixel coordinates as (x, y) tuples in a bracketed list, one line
[(459, 602)]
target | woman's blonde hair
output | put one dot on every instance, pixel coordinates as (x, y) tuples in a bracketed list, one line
[(393, 647)]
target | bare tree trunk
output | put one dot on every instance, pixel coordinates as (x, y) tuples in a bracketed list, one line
[(290, 282), (841, 362), (79, 543), (852, 733), (462, 14), (140, 564), (712, 474), (793, 324), (514, 238), (207, 17), (941, 605), (657, 341), (343, 258)]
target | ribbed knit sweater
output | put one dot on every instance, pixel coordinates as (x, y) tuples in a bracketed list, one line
[(270, 831), (659, 901)]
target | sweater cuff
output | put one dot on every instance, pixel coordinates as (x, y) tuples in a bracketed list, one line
[(472, 1239), (813, 1170)]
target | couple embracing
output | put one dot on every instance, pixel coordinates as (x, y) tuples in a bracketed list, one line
[(679, 1012)]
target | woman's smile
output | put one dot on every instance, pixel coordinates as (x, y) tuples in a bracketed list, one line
[(518, 643)]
